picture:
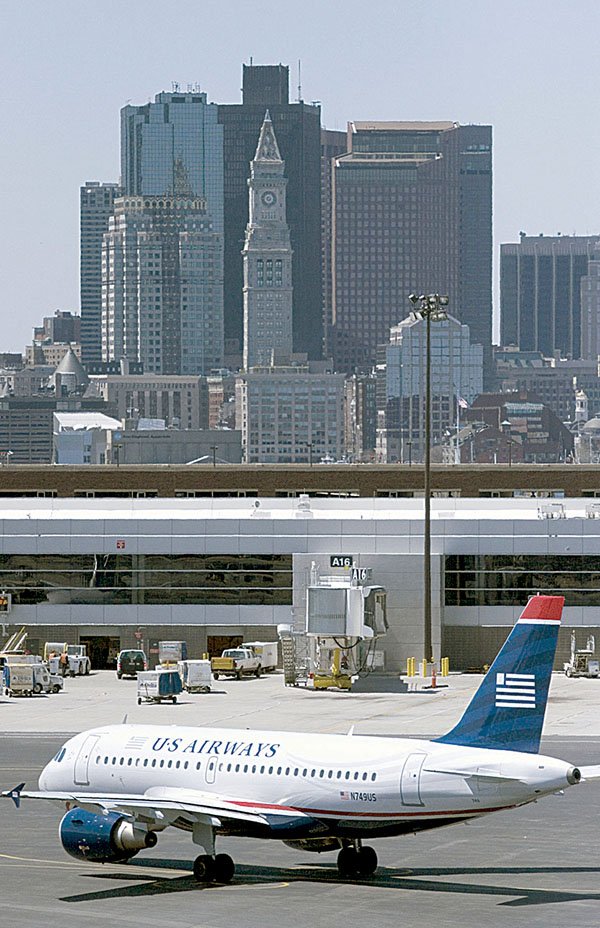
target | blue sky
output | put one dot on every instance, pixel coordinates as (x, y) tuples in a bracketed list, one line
[(529, 68)]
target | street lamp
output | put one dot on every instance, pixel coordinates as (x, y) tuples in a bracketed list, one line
[(429, 307), (214, 448)]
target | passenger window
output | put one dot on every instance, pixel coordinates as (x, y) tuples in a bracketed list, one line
[(145, 762), (237, 768), (312, 773), (162, 763), (287, 771), (228, 767), (170, 764), (178, 764), (114, 760), (154, 762), (330, 774), (364, 776), (339, 774), (186, 765), (262, 769), (321, 773), (253, 768), (356, 775), (373, 776), (304, 772), (106, 760), (245, 768), (347, 774), (270, 769), (279, 771), (121, 761), (129, 762), (296, 772), (198, 766)]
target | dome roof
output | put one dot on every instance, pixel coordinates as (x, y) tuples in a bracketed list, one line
[(71, 364)]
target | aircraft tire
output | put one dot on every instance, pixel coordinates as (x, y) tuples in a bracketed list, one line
[(223, 868), (367, 861), (347, 863), (204, 868)]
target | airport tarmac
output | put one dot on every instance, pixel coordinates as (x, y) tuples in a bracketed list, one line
[(539, 865)]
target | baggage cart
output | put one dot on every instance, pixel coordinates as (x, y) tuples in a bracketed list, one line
[(158, 685), (196, 676)]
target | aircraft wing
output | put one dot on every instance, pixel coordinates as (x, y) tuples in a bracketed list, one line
[(160, 804), (590, 773)]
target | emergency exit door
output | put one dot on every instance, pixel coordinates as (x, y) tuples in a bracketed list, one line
[(210, 770), (82, 763), (410, 780)]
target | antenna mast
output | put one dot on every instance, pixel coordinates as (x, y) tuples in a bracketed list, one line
[(299, 81)]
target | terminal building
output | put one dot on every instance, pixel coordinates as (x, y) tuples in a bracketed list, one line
[(218, 571)]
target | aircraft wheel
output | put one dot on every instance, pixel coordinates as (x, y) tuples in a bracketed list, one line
[(367, 861), (347, 862), (204, 868), (223, 868)]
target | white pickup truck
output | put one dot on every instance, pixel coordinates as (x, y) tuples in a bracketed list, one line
[(236, 662)]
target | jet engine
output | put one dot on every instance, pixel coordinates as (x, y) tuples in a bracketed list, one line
[(318, 845), (103, 839)]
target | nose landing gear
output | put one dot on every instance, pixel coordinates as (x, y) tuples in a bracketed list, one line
[(354, 860)]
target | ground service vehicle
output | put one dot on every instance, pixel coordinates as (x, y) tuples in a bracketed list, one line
[(30, 678), (195, 676), (170, 652), (266, 651), (158, 685), (235, 662), (125, 784), (584, 662), (130, 662), (67, 658)]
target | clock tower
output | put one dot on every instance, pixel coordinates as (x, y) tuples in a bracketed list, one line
[(267, 255)]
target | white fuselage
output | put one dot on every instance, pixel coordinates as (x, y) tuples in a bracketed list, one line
[(350, 784)]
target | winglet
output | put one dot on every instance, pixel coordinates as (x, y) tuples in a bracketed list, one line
[(15, 794)]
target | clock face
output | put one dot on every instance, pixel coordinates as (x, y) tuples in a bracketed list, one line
[(269, 198)]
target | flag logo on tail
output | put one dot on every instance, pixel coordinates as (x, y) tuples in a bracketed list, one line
[(515, 691)]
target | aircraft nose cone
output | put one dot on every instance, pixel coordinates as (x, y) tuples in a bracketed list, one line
[(573, 776)]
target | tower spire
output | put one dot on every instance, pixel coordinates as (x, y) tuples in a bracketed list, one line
[(267, 148)]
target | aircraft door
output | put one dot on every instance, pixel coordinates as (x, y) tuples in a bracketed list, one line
[(82, 761), (210, 770), (410, 780)]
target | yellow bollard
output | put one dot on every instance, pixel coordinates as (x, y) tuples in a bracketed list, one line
[(423, 669), (445, 666)]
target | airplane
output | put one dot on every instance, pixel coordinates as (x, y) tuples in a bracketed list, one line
[(122, 785)]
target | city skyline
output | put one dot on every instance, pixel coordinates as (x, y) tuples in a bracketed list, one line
[(67, 77)]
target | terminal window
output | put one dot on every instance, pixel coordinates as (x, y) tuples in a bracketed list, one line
[(147, 579), (510, 579)]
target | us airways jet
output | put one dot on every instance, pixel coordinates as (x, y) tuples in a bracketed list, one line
[(122, 785)]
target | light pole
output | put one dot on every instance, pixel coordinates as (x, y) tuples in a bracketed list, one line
[(430, 308), (214, 448)]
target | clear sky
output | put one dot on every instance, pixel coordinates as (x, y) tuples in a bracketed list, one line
[(530, 68)]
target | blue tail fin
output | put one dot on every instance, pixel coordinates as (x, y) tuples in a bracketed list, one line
[(507, 711)]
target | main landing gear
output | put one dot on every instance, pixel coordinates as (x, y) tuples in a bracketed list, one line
[(210, 867), (354, 860), (218, 869)]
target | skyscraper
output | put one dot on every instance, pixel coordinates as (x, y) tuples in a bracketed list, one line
[(174, 147), (163, 285), (412, 212), (540, 292), (95, 208), (297, 127), (333, 144), (267, 258)]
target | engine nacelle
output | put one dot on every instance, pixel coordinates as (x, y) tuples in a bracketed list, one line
[(318, 845), (102, 838)]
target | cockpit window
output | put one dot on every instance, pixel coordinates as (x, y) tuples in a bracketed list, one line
[(60, 755)]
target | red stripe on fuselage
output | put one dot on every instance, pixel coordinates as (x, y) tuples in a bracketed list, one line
[(380, 815)]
